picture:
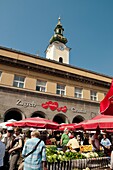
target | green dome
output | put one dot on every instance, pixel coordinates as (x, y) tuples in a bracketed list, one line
[(58, 34)]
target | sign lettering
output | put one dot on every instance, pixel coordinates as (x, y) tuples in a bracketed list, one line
[(25, 104), (78, 110)]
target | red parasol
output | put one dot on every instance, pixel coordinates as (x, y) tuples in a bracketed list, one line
[(100, 121), (106, 105), (35, 122), (80, 125), (68, 126)]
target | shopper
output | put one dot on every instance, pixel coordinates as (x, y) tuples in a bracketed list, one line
[(73, 143), (37, 159), (7, 140), (64, 138), (111, 163), (15, 149), (86, 139), (106, 144), (2, 154), (95, 141)]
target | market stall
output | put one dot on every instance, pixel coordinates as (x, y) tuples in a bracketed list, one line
[(69, 160)]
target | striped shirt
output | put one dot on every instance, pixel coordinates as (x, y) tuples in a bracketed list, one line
[(34, 160)]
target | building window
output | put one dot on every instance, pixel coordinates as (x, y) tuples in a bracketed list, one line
[(0, 74), (61, 60), (41, 85), (18, 81), (78, 93), (93, 95), (60, 89)]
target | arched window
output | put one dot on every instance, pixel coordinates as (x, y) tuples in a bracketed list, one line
[(61, 60), (60, 118), (78, 119)]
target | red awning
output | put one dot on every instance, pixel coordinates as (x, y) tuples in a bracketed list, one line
[(106, 105), (68, 126), (35, 122), (100, 121)]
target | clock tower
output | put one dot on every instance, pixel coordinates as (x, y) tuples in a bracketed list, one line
[(57, 49)]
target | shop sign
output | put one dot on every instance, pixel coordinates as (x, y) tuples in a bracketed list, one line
[(25, 104), (78, 110), (54, 106)]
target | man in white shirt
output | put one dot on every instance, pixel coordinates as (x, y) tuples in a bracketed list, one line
[(2, 154), (73, 143)]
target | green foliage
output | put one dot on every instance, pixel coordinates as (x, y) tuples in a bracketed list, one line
[(100, 154), (53, 155)]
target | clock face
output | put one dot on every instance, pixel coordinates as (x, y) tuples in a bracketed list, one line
[(61, 48)]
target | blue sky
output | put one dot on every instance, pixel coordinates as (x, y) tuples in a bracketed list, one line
[(27, 26)]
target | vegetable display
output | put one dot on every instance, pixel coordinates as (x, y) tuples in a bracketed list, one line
[(54, 155)]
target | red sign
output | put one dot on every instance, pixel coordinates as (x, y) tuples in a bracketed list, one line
[(54, 106)]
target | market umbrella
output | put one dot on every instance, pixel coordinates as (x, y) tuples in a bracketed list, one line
[(68, 126), (100, 121), (106, 105), (80, 125), (35, 122), (3, 124), (100, 116), (11, 120)]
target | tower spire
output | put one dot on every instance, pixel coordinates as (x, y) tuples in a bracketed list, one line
[(59, 19), (57, 49), (58, 33)]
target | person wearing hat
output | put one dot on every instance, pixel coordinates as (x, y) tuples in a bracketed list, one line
[(4, 131), (73, 143)]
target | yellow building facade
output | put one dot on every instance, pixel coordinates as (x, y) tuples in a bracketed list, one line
[(48, 87)]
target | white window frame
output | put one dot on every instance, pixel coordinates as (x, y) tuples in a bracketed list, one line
[(41, 85), (18, 82), (93, 95), (61, 89), (78, 92)]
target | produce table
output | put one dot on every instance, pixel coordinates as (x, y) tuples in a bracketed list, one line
[(72, 160), (92, 163)]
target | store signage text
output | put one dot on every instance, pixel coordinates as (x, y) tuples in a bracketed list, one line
[(78, 110), (25, 104)]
